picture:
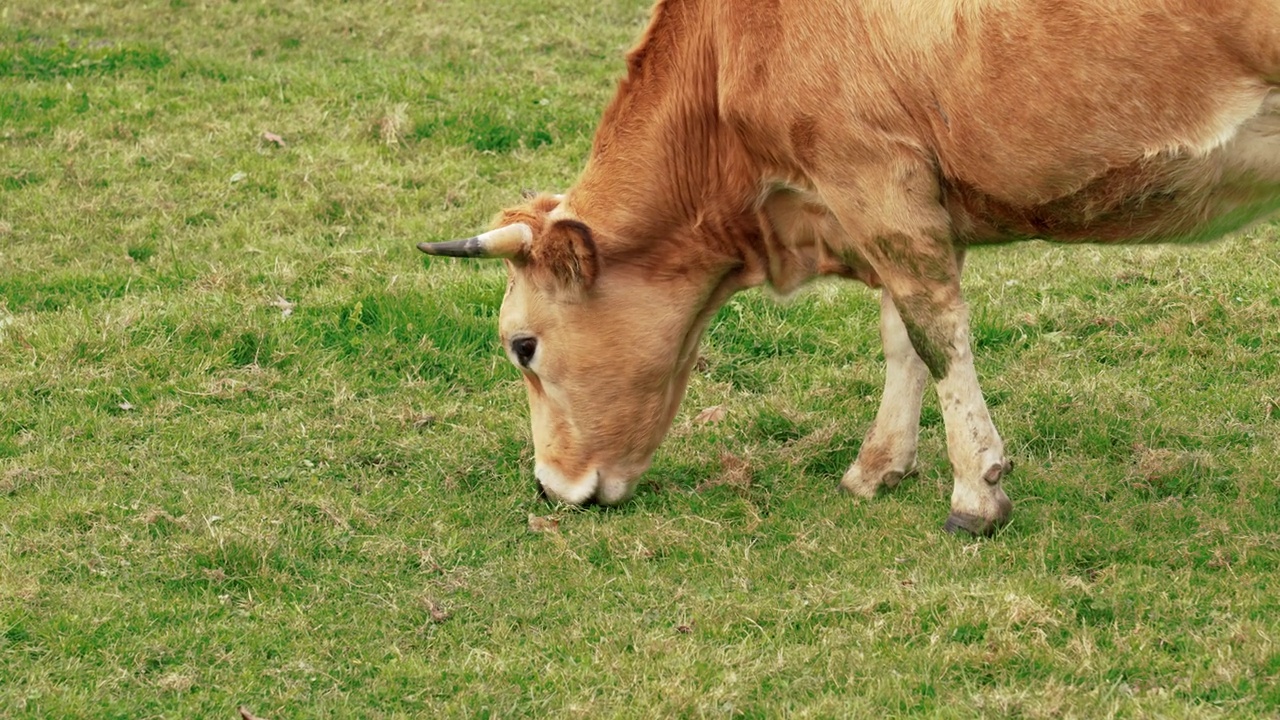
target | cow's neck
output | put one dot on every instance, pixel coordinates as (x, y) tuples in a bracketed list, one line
[(665, 176)]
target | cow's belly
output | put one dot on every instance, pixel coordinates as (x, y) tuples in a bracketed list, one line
[(1179, 197)]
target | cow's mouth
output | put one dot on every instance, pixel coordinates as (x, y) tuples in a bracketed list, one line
[(556, 487), (595, 488)]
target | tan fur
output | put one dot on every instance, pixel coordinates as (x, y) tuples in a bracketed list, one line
[(767, 141)]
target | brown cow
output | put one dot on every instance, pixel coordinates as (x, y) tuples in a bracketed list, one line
[(768, 141)]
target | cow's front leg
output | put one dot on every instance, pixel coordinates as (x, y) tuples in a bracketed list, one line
[(888, 454), (937, 322), (886, 199)]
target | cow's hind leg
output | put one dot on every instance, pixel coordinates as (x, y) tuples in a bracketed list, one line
[(888, 454)]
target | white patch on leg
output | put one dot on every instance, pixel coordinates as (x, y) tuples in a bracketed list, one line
[(973, 444), (889, 452)]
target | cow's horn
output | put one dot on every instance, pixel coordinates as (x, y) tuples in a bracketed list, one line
[(508, 241)]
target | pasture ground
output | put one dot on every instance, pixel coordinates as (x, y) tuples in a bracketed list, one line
[(255, 450)]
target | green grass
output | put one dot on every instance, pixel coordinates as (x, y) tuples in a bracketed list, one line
[(207, 501)]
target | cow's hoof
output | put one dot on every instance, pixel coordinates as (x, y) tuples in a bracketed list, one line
[(980, 525), (869, 484)]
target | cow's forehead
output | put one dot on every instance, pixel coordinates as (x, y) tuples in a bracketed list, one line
[(527, 307), (511, 315), (511, 279)]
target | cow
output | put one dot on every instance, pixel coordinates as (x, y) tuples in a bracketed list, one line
[(768, 142)]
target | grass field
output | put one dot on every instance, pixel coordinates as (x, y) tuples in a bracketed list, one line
[(255, 450)]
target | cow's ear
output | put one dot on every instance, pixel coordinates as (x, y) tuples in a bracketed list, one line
[(568, 251)]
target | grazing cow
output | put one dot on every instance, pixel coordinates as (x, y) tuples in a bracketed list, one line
[(770, 141)]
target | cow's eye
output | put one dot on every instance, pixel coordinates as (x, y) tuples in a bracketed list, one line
[(524, 348)]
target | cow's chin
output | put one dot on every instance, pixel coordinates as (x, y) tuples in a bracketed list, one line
[(600, 487)]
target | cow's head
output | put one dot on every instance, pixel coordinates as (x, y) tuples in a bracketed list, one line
[(605, 341)]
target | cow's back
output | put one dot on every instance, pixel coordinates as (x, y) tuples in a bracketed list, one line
[(1038, 106), (1025, 101)]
